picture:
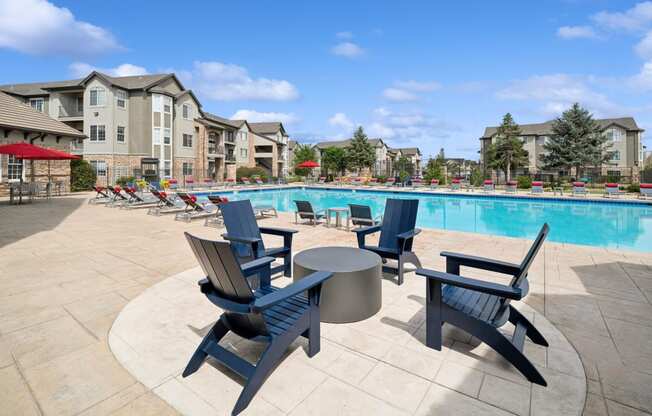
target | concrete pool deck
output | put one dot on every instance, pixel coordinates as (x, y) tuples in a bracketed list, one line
[(68, 269)]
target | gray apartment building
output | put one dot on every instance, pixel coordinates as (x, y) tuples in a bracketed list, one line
[(624, 134)]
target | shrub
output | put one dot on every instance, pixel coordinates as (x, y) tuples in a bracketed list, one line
[(381, 178), (294, 178), (524, 182), (124, 180), (245, 172), (633, 187), (82, 176)]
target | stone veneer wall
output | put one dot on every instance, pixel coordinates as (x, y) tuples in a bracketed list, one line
[(116, 166)]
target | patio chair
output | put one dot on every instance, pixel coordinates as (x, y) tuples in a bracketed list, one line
[(373, 182), (216, 220), (195, 209), (117, 197), (306, 212), (537, 188), (189, 184), (481, 308), (229, 182), (390, 182), (245, 236), (417, 183), (259, 181), (645, 191), (455, 185), (276, 316), (579, 189), (612, 190), (166, 204), (101, 197), (137, 201), (434, 184), (397, 233), (488, 186), (245, 181), (510, 187), (173, 184), (361, 215), (322, 180)]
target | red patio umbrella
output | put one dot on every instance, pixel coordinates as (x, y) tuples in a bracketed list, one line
[(308, 164)]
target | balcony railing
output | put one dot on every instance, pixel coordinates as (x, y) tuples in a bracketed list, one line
[(229, 138), (76, 147), (68, 112), (216, 150), (230, 157)]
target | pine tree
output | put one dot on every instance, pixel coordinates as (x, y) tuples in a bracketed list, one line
[(577, 141), (507, 152), (360, 153)]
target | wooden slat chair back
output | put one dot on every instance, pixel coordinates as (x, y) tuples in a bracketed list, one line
[(400, 216), (240, 222)]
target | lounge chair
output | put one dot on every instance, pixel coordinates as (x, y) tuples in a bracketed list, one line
[(510, 187), (101, 197), (481, 308), (265, 211), (357, 181), (137, 201), (397, 233), (245, 181), (455, 185), (306, 212), (322, 180), (390, 182), (190, 184), (245, 236), (417, 183), (488, 186), (645, 191), (259, 181), (579, 189), (612, 189), (434, 184), (209, 183), (229, 182), (361, 216), (173, 184), (166, 204), (276, 316), (195, 209), (537, 188), (372, 182), (117, 197), (216, 220)]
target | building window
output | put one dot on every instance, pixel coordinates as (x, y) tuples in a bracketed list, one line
[(187, 111), (166, 169), (615, 155), (98, 133), (98, 97), (167, 104), (187, 169), (167, 136), (243, 153), (229, 136), (14, 168), (243, 136), (37, 104), (80, 104), (187, 140), (120, 134), (121, 99), (615, 135), (99, 166)]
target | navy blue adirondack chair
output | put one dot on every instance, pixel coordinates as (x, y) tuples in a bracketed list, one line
[(273, 315), (245, 235), (480, 308), (397, 232)]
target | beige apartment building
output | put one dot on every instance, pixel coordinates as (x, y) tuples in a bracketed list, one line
[(127, 119), (624, 135)]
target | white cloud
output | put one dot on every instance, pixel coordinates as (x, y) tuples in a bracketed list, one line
[(257, 116), (397, 94), (576, 32), (341, 120), (344, 35), (556, 91), (41, 28), (418, 86), (409, 127), (81, 69), (634, 19), (228, 82), (347, 50), (643, 80), (644, 47)]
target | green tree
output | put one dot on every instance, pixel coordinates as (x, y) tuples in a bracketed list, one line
[(303, 153), (577, 141), (434, 170), (404, 168), (507, 152), (82, 175), (360, 153), (334, 159)]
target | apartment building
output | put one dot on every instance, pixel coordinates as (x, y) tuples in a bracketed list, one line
[(624, 135), (413, 154), (270, 147)]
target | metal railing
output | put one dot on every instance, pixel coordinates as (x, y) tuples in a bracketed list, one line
[(216, 150), (67, 112), (230, 157)]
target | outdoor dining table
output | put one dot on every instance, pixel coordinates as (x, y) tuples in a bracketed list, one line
[(339, 213)]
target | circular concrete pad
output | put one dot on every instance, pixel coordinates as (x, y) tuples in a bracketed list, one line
[(376, 366)]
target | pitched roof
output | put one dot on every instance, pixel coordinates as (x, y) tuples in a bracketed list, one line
[(345, 143), (267, 127), (543, 129), (410, 150), (225, 121), (20, 116), (133, 82)]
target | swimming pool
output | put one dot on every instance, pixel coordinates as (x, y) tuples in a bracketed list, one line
[(600, 224)]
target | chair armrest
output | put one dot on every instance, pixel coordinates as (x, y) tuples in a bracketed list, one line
[(481, 263), (207, 289), (296, 288), (408, 234), (473, 284), (362, 231), (245, 240), (254, 266), (277, 231)]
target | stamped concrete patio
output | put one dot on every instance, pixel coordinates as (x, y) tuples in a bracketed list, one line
[(68, 270)]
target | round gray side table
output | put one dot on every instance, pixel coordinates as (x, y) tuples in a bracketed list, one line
[(354, 292)]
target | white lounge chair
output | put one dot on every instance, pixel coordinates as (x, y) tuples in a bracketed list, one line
[(537, 188), (579, 189)]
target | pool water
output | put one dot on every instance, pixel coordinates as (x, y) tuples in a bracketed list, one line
[(600, 224)]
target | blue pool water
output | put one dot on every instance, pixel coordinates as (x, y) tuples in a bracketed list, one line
[(601, 224)]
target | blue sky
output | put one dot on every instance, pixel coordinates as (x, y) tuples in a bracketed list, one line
[(427, 74)]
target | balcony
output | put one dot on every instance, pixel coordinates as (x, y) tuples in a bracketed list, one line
[(230, 158), (70, 114), (76, 147), (229, 137), (215, 151)]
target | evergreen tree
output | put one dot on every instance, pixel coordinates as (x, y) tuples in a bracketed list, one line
[(507, 152), (303, 153), (334, 159), (360, 153), (577, 141)]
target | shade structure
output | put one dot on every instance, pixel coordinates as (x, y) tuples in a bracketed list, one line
[(32, 152), (308, 164)]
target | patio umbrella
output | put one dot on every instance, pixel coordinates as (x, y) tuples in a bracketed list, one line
[(309, 164), (26, 151)]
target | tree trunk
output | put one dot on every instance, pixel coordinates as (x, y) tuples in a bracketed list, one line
[(509, 172)]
